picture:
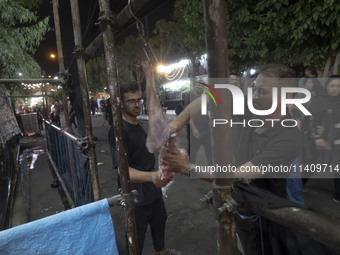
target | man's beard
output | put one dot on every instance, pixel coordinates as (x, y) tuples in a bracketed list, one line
[(134, 112)]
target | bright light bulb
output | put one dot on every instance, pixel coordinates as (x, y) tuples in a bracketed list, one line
[(161, 68)]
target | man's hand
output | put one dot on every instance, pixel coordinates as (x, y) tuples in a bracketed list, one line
[(178, 163), (173, 129), (156, 179)]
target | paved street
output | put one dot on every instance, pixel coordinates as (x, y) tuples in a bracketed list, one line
[(190, 227)]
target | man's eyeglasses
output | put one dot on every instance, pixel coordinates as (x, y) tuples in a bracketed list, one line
[(135, 101)]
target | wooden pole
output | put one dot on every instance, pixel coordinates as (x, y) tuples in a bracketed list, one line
[(111, 68), (60, 58), (119, 21), (218, 67), (52, 81), (66, 115), (85, 96)]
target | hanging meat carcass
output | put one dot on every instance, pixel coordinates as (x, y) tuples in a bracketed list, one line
[(160, 135)]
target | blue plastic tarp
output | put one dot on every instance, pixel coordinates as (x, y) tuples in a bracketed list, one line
[(87, 229)]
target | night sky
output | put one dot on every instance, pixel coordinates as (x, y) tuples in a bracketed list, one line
[(156, 10), (48, 45)]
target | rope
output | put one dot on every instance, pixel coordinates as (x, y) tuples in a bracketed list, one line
[(138, 20), (141, 33), (172, 75)]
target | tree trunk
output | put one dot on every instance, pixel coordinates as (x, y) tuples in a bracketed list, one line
[(326, 70), (336, 63), (218, 67)]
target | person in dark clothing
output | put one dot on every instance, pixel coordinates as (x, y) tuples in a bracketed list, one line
[(108, 111), (267, 146), (94, 106), (179, 107), (72, 115), (56, 114), (150, 208), (102, 109), (324, 133), (311, 73), (40, 119), (235, 80), (259, 146)]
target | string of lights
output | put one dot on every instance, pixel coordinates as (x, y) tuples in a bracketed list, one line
[(174, 71)]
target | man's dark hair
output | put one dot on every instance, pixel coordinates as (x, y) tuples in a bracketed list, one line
[(127, 87), (286, 75), (312, 70), (233, 73)]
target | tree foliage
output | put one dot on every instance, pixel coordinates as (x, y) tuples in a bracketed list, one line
[(56, 96), (165, 47), (20, 35), (96, 74), (167, 42), (269, 31), (261, 32), (299, 31), (30, 4), (190, 20), (129, 55)]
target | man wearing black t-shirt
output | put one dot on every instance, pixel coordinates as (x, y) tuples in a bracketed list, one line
[(271, 146), (265, 145), (150, 207)]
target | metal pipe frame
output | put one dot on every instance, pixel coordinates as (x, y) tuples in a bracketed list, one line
[(55, 169), (117, 23), (311, 224), (31, 96), (112, 74), (82, 142), (60, 58), (85, 96), (51, 81)]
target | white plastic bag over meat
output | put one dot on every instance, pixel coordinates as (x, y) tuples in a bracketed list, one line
[(159, 133)]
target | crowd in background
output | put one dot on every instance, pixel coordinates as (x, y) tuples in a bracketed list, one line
[(321, 130)]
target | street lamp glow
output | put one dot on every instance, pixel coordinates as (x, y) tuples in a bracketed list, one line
[(174, 71), (161, 68), (169, 68), (52, 55)]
